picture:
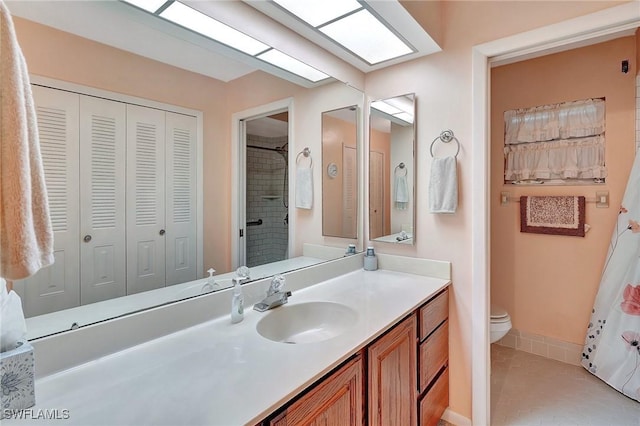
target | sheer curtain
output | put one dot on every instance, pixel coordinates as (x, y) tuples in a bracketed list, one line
[(560, 141)]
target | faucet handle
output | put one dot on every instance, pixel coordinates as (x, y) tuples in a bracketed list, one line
[(277, 283)]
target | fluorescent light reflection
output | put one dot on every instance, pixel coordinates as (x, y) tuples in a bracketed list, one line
[(209, 27), (284, 61), (318, 12), (385, 107), (367, 37), (148, 5)]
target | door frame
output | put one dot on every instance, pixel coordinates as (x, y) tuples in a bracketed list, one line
[(588, 29), (238, 161)]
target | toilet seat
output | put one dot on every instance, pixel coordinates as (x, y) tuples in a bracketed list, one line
[(498, 314)]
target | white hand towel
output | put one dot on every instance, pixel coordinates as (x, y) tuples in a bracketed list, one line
[(26, 237), (304, 188), (401, 192), (443, 186)]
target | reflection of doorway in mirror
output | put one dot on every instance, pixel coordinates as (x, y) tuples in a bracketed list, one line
[(350, 181), (376, 194), (267, 189)]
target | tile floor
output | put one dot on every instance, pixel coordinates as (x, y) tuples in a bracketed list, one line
[(528, 389)]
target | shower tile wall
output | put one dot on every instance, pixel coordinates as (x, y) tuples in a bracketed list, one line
[(265, 176)]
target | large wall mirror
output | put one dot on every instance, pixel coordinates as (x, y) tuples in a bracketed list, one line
[(392, 170), (129, 73), (340, 172)]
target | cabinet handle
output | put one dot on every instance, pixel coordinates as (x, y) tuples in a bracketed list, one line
[(87, 238), (162, 231)]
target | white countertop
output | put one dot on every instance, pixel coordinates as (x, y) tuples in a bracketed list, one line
[(218, 373)]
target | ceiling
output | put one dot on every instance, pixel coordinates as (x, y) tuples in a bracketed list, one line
[(144, 34)]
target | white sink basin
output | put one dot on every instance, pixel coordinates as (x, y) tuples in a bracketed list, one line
[(306, 322)]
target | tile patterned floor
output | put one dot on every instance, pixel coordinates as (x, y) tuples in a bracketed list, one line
[(527, 389)]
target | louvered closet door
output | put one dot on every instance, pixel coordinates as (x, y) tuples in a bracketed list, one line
[(145, 199), (181, 198), (102, 195), (57, 286)]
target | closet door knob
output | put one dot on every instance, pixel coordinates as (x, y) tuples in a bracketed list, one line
[(162, 231), (87, 238)]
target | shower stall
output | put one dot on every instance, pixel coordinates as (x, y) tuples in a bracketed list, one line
[(267, 195)]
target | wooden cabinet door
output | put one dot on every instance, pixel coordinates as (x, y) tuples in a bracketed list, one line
[(336, 401), (393, 376)]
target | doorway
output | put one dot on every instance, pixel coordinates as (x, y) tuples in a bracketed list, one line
[(266, 142)]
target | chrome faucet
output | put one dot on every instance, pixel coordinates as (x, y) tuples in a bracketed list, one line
[(275, 295)]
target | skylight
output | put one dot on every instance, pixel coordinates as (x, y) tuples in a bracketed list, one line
[(350, 25), (194, 20), (316, 13), (282, 60)]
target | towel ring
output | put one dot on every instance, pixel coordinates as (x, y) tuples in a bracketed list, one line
[(446, 137), (400, 166), (307, 154)]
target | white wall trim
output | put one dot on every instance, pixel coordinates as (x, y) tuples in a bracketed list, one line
[(237, 181), (455, 418), (599, 24)]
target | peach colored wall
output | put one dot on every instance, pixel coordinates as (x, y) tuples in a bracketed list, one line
[(548, 283), (381, 142), (335, 134), (442, 84)]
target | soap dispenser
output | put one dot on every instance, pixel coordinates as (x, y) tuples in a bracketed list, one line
[(237, 300), (370, 260)]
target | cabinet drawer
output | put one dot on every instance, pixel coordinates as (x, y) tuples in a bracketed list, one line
[(433, 313), (435, 401), (434, 354)]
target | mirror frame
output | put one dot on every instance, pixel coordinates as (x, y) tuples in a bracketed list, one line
[(390, 239)]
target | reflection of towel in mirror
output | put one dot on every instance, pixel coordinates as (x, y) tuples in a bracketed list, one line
[(401, 192), (304, 188), (443, 186), (26, 236)]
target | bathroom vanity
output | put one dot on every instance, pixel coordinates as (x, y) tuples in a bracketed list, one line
[(416, 347), (388, 350)]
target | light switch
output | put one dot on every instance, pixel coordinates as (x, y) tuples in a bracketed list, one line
[(504, 198), (602, 199)]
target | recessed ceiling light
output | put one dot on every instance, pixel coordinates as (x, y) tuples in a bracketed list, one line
[(148, 5), (194, 20), (318, 12), (363, 34), (286, 62)]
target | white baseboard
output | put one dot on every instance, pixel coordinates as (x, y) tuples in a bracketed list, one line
[(567, 352), (452, 417)]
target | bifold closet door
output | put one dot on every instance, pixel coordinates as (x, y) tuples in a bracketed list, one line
[(145, 199), (181, 198), (57, 286), (102, 199)]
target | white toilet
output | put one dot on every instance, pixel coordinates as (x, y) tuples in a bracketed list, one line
[(500, 323)]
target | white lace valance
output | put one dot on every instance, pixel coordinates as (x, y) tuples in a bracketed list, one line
[(564, 159), (561, 141)]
